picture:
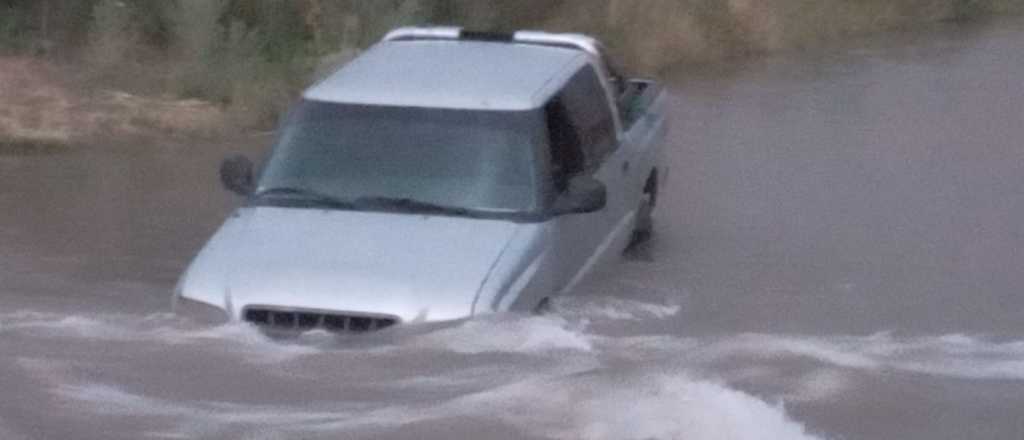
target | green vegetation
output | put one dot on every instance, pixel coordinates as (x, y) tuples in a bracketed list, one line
[(32, 147), (253, 55)]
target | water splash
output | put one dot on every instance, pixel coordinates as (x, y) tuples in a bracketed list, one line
[(610, 308), (546, 376), (953, 355), (596, 406), (535, 334)]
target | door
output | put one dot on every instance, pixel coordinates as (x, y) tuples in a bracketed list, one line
[(585, 141)]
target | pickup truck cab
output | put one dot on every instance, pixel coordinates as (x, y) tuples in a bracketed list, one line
[(440, 175)]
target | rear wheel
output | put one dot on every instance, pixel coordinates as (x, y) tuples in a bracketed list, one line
[(644, 225)]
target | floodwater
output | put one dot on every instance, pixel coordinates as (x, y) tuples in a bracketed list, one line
[(838, 256)]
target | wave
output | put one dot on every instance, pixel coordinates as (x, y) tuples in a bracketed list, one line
[(595, 406), (160, 328), (953, 355), (507, 334), (798, 368), (540, 376), (612, 308), (550, 379)]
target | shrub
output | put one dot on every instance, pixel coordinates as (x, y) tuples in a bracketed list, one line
[(113, 37), (13, 35), (196, 42), (255, 55)]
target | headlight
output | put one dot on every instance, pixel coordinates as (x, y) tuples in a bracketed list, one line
[(199, 312)]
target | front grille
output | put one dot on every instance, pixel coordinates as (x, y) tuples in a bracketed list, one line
[(298, 320)]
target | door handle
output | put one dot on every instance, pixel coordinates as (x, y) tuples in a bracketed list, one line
[(625, 167)]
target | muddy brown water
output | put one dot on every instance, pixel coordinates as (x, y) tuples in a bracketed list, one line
[(839, 255)]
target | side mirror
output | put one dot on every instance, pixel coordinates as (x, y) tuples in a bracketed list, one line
[(237, 176), (584, 195)]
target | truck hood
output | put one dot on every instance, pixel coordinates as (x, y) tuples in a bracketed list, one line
[(414, 267)]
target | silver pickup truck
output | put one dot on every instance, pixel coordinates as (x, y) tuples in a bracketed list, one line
[(440, 175)]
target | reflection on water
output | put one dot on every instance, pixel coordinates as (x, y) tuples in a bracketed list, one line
[(877, 189), (107, 216)]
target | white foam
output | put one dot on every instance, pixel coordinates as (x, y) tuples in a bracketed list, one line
[(776, 347), (669, 407), (160, 328), (597, 404), (953, 355), (820, 384), (574, 384), (603, 406), (535, 334), (824, 365), (54, 325), (193, 419), (615, 309), (498, 333)]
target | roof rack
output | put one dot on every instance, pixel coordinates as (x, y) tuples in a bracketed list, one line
[(575, 41)]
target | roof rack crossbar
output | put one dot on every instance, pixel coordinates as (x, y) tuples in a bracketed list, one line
[(577, 41)]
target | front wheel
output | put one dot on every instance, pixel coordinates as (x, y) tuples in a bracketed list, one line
[(543, 307)]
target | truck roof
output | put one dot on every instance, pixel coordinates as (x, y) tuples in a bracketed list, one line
[(456, 74)]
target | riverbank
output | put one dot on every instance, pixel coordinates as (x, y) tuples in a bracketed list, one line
[(47, 109), (134, 69)]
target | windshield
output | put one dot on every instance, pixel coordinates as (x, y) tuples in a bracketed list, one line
[(467, 160)]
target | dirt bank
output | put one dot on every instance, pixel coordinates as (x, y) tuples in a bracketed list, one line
[(45, 107)]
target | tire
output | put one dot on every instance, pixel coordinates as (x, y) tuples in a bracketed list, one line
[(543, 307), (643, 227)]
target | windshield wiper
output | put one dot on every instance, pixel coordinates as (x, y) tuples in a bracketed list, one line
[(411, 205), (400, 204), (306, 195)]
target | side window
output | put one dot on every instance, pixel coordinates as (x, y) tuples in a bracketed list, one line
[(586, 104), (567, 159)]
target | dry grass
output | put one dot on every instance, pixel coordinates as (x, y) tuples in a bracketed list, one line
[(36, 108), (43, 112), (230, 63)]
